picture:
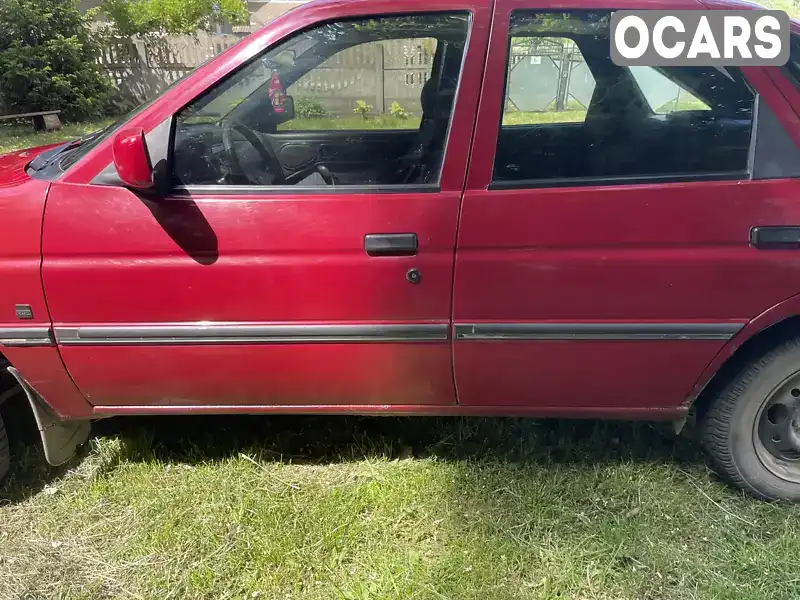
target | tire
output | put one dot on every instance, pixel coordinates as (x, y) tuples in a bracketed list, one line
[(5, 456), (748, 432)]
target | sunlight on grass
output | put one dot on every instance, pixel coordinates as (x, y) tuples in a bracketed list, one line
[(546, 117), (682, 103), (318, 508), (355, 123), (18, 136)]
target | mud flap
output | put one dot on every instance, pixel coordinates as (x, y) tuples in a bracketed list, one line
[(59, 438)]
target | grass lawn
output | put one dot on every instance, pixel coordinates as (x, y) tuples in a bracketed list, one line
[(354, 122), (318, 508), (21, 135), (540, 118), (362, 508)]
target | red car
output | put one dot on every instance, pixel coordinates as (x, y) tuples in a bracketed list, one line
[(533, 231)]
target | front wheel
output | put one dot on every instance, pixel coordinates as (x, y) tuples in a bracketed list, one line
[(752, 428), (5, 453)]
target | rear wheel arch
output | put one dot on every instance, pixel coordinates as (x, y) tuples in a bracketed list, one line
[(743, 354)]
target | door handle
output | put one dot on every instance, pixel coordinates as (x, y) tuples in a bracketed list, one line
[(778, 238), (391, 244)]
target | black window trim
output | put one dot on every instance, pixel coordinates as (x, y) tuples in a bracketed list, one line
[(177, 188), (791, 71), (292, 190), (751, 151), (618, 181), (611, 181)]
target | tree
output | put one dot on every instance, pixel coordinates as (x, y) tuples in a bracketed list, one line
[(172, 17), (48, 60), (789, 6)]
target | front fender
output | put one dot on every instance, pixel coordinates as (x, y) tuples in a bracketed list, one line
[(26, 339)]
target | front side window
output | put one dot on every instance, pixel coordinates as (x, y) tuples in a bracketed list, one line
[(375, 85), (571, 113), (349, 103)]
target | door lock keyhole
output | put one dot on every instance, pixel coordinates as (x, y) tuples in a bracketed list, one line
[(414, 276)]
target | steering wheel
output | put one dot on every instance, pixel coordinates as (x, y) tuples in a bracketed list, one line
[(272, 172)]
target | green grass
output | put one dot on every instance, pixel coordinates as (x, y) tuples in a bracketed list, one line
[(21, 135), (335, 507), (684, 102), (540, 118), (315, 508), (355, 122)]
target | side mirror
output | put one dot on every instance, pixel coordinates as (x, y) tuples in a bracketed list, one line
[(132, 160)]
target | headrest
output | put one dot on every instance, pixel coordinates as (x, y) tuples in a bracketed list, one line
[(438, 103), (428, 97)]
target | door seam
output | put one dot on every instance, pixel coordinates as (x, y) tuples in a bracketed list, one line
[(487, 41)]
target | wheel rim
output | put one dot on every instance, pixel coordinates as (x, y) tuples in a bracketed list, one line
[(776, 434)]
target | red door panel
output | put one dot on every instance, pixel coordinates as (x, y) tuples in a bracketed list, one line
[(258, 375), (671, 253), (243, 259), (249, 261), (568, 376), (606, 296), (661, 252)]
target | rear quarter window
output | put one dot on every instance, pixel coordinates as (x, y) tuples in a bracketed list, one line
[(792, 67)]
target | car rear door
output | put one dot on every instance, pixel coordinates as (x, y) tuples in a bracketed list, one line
[(226, 292), (604, 252)]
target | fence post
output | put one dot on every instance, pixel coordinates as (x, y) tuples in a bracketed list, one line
[(563, 78), (380, 88)]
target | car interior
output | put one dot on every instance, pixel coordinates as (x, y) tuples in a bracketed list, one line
[(623, 136), (246, 146)]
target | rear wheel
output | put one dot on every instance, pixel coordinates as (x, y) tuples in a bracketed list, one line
[(752, 429)]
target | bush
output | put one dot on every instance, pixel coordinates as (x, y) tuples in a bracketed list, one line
[(308, 109), (363, 109), (48, 60), (399, 112)]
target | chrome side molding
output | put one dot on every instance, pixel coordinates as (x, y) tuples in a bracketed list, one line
[(239, 333), (25, 336), (596, 331)]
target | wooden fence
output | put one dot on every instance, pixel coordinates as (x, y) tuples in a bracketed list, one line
[(142, 70)]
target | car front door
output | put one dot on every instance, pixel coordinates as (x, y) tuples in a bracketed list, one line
[(277, 273), (604, 253)]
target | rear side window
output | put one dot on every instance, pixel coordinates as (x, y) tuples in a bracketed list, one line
[(572, 114), (548, 82), (663, 95)]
